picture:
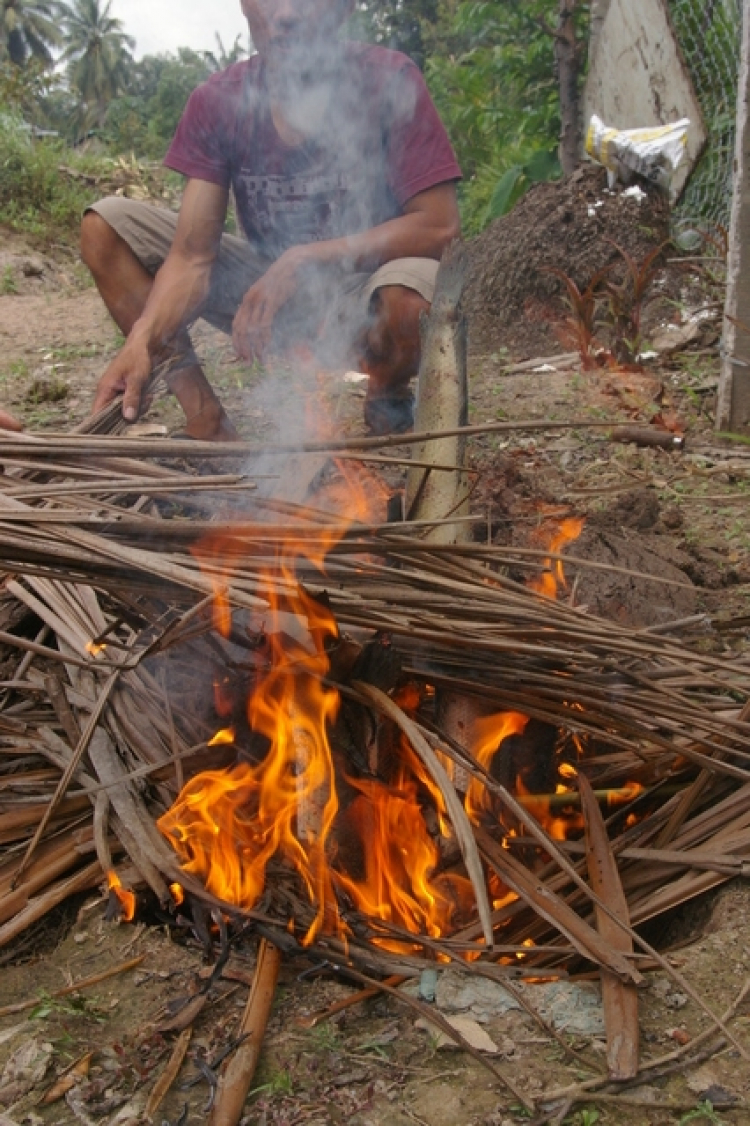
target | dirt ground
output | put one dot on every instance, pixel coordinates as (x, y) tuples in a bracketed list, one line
[(651, 509)]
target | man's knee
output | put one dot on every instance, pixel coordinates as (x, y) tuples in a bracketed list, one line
[(98, 241), (396, 315), (391, 351)]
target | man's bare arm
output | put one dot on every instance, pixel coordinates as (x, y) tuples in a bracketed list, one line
[(178, 292), (429, 222)]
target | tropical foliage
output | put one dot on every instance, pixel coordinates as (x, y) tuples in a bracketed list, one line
[(97, 54), (489, 64), (28, 30)]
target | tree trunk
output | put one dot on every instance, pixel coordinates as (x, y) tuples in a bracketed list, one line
[(566, 60), (598, 14)]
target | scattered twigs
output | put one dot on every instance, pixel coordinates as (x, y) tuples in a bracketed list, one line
[(552, 908), (169, 1074), (433, 1016), (95, 562), (237, 1073), (77, 986), (687, 1055), (314, 1019), (62, 786), (557, 855)]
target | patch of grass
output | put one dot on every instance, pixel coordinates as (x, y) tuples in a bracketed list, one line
[(703, 1113), (8, 284), (17, 369), (587, 1116), (279, 1083), (35, 198), (72, 1006), (325, 1037), (52, 390), (63, 353)]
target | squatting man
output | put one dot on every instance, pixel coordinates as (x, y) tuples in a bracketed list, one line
[(344, 185)]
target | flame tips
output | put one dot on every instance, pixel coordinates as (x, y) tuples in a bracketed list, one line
[(124, 895), (552, 578), (224, 736)]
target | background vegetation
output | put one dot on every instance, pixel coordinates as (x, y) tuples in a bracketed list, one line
[(71, 92)]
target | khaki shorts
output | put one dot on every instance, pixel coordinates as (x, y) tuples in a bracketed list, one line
[(332, 311)]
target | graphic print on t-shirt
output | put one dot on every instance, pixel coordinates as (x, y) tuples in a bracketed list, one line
[(293, 210)]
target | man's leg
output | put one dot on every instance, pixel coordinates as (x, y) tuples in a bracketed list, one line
[(392, 343), (398, 294), (124, 284)]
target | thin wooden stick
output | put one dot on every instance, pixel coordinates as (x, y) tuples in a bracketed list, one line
[(56, 444), (237, 1075), (168, 1075), (315, 1019), (83, 983)]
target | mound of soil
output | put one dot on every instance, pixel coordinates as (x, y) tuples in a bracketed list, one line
[(569, 225)]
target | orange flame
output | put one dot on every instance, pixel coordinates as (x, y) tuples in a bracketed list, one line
[(226, 825), (381, 853), (399, 857), (222, 612), (489, 733), (223, 737), (125, 896), (553, 576)]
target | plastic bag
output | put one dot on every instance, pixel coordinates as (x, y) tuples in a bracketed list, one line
[(653, 153)]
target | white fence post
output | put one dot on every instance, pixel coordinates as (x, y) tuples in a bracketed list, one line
[(733, 405)]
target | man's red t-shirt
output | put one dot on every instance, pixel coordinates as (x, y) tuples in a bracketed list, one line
[(381, 143)]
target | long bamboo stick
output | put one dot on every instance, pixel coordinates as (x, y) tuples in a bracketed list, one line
[(55, 444), (237, 1075)]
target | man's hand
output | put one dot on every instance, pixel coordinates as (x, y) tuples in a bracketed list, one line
[(8, 422), (253, 323), (127, 375)]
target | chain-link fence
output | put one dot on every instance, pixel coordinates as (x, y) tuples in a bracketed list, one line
[(710, 35)]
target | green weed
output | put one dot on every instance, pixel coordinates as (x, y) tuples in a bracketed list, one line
[(325, 1037), (703, 1112), (17, 369), (8, 283), (587, 1116), (62, 1006), (279, 1083)]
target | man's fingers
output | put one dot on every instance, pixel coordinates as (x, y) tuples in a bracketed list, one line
[(133, 396), (105, 393)]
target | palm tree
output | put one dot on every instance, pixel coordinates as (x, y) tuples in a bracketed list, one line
[(97, 51), (29, 28), (222, 58)]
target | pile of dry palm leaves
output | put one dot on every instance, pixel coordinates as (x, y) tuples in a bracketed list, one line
[(109, 652)]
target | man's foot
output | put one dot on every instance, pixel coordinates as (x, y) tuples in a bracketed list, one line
[(389, 414), (205, 418), (211, 426)]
